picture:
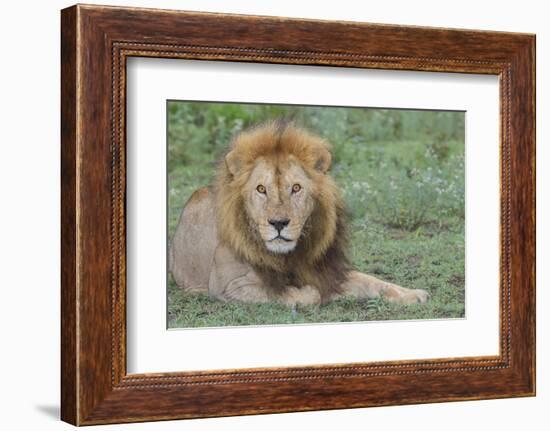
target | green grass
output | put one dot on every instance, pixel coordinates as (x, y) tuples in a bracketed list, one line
[(405, 194)]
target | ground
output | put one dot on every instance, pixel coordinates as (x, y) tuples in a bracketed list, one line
[(402, 175)]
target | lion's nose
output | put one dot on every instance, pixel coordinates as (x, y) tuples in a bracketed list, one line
[(279, 224)]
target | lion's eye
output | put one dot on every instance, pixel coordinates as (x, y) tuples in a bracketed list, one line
[(261, 189), (296, 188)]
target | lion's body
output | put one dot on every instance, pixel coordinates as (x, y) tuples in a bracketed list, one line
[(273, 227), (194, 242)]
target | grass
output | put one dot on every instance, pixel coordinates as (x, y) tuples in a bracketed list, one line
[(405, 196)]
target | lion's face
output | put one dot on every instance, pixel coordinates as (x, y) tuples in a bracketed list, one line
[(275, 197), (279, 200)]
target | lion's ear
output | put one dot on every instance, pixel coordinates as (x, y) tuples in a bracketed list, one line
[(324, 159), (232, 162)]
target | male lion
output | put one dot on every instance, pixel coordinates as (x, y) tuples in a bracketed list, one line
[(272, 228)]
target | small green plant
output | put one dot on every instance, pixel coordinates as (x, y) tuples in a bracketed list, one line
[(404, 201), (440, 146)]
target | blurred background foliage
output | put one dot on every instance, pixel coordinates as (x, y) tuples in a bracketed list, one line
[(401, 173)]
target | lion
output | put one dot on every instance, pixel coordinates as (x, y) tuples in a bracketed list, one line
[(272, 227)]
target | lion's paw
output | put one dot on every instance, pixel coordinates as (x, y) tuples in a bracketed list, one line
[(416, 296), (305, 295), (402, 295), (421, 296)]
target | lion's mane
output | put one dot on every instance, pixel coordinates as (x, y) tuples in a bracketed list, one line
[(320, 256)]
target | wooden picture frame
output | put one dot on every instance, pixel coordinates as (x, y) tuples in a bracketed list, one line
[(95, 43)]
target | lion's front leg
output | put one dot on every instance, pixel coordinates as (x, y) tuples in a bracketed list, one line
[(363, 285), (232, 280), (249, 288)]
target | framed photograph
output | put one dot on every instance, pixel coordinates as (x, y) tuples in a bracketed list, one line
[(263, 214)]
